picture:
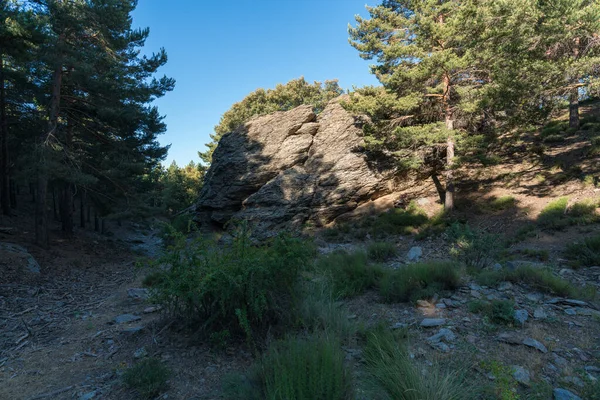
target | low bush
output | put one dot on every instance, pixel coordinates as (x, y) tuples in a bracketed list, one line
[(350, 274), (418, 281), (496, 311), (505, 385), (501, 203), (399, 221), (540, 255), (476, 250), (554, 213), (148, 377), (381, 251), (309, 368), (391, 368), (238, 287), (585, 253)]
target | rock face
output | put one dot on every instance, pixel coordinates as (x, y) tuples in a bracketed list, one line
[(281, 170)]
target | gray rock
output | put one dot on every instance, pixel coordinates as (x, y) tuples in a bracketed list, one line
[(560, 361), (132, 330), (540, 313), (140, 353), (521, 316), (588, 312), (282, 170), (138, 293), (509, 338), (574, 381), (126, 318), (504, 286), (522, 375), (564, 394), (510, 265), (497, 267), (432, 322), (535, 344), (151, 309), (570, 311), (28, 262), (533, 297), (443, 347), (399, 325), (414, 254), (477, 294), (423, 304), (591, 368), (88, 396), (444, 334)]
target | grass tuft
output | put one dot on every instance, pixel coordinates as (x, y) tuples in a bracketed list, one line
[(149, 377), (586, 253), (557, 215), (350, 274), (496, 311), (381, 251), (418, 281)]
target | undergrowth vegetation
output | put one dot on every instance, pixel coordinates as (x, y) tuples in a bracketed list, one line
[(558, 215), (585, 253), (350, 274), (476, 250), (148, 377), (539, 278), (392, 369), (496, 311), (237, 287)]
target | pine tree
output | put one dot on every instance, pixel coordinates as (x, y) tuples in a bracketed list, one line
[(423, 61)]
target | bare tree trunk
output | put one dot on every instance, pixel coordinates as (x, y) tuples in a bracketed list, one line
[(41, 217), (54, 207), (4, 173), (574, 93), (66, 198), (96, 221), (14, 191), (82, 209)]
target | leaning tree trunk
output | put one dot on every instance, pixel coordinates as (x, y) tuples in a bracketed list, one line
[(4, 176), (439, 187), (41, 215)]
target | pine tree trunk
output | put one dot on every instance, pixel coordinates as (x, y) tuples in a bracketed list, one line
[(82, 209), (66, 198), (4, 174), (41, 215), (54, 207), (449, 197), (96, 222), (14, 191), (574, 109), (89, 214)]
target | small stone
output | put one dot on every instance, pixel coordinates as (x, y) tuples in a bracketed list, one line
[(591, 368), (399, 325), (540, 313), (535, 344), (503, 286), (508, 338), (440, 305), (474, 286), (466, 319), (573, 302), (423, 304), (564, 394), (522, 375), (574, 380), (521, 316), (414, 254), (432, 322), (125, 318), (560, 361), (88, 396), (443, 347), (476, 294), (570, 311), (588, 312), (533, 297), (140, 353), (497, 267), (150, 310), (444, 334), (138, 293), (132, 330)]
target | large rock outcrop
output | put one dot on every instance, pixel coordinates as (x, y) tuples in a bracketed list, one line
[(282, 170)]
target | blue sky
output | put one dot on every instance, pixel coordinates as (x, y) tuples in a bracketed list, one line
[(219, 51)]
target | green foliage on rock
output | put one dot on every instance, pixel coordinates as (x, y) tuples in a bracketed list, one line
[(261, 102)]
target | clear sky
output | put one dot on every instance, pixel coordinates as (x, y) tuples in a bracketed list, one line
[(219, 51)]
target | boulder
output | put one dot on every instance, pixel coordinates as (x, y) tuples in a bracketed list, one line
[(17, 256), (282, 170)]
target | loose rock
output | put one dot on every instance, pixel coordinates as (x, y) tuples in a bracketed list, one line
[(414, 254), (432, 322), (564, 394), (521, 316), (522, 375), (535, 344), (125, 318)]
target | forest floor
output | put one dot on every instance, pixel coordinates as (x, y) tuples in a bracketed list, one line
[(61, 338)]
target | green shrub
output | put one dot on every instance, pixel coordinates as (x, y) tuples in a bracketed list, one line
[(350, 274), (391, 368), (556, 215), (505, 385), (541, 255), (554, 138), (496, 311), (305, 369), (399, 221), (586, 253), (417, 281), (238, 286), (149, 377), (381, 251), (476, 250)]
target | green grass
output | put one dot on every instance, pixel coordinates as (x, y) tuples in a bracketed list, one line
[(418, 281), (391, 368), (148, 377), (586, 253), (538, 278), (399, 221), (501, 203), (557, 215), (504, 386), (496, 311), (475, 249), (350, 274), (381, 251), (310, 368), (540, 255)]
